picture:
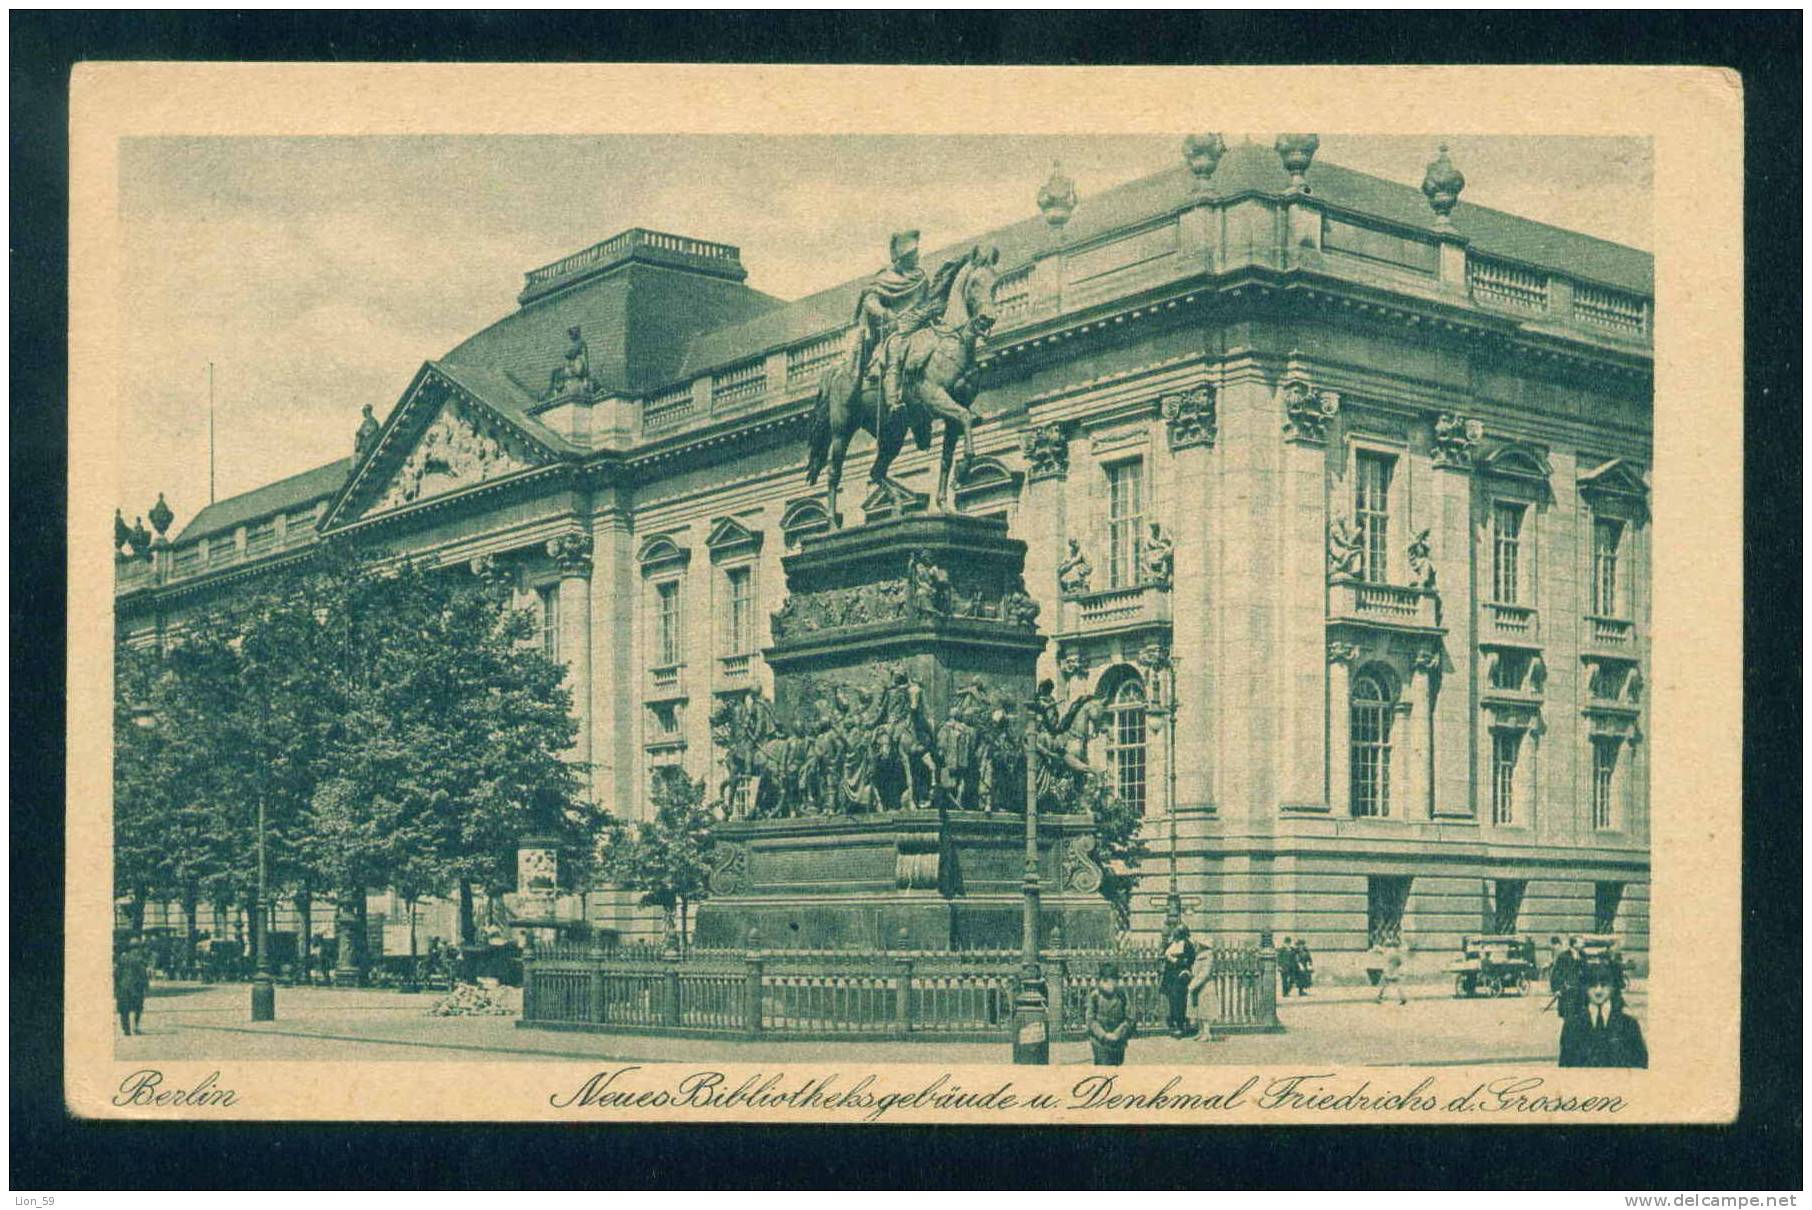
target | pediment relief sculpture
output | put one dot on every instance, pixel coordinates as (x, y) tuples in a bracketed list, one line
[(456, 451)]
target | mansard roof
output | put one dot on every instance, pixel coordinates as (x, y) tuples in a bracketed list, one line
[(1246, 169), (285, 495)]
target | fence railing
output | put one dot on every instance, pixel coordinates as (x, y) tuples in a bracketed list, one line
[(861, 995)]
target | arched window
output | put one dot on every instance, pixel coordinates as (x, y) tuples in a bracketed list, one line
[(1373, 704), (1126, 740)]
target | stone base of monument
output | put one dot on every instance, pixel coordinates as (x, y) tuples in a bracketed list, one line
[(906, 880)]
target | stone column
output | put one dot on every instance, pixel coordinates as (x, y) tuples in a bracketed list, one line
[(1454, 740), (1340, 656), (1043, 520), (1300, 647), (572, 553), (613, 662), (1192, 423)]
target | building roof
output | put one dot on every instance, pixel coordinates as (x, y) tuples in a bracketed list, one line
[(1248, 168), (224, 516)]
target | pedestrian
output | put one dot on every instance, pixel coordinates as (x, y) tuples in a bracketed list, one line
[(131, 980), (1110, 1022), (1564, 981), (1391, 979), (1202, 992), (1305, 967), (1173, 980), (1601, 1033), (1286, 967)]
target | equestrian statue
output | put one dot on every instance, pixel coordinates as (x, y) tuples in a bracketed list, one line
[(913, 361)]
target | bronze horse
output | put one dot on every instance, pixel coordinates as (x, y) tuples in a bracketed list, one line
[(940, 380)]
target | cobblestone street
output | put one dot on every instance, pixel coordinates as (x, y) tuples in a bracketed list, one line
[(1336, 1025)]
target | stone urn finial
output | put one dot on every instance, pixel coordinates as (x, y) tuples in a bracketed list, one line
[(161, 516), (1441, 186), (1057, 197), (1297, 151), (1203, 152)]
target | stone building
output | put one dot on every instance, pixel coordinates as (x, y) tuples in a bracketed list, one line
[(1355, 475)]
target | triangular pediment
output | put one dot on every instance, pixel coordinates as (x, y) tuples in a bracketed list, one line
[(1616, 477), (440, 440), (729, 536)]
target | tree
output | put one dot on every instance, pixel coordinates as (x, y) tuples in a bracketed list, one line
[(666, 857)]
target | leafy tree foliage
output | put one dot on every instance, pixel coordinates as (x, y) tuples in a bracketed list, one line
[(667, 857)]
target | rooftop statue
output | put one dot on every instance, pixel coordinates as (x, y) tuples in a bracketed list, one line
[(914, 361)]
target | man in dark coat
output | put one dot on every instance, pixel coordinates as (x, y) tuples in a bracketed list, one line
[(1601, 1034), (1173, 980), (131, 980), (1564, 980), (1287, 972)]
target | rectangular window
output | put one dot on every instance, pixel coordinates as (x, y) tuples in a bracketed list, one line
[(1506, 552), (739, 611), (1607, 897), (550, 621), (1506, 746), (1126, 750), (1507, 905), (1604, 782), (1607, 538), (669, 650), (1371, 514), (1125, 522), (1386, 897)]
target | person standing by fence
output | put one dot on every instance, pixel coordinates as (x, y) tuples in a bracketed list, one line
[(1173, 980), (1305, 967), (1203, 994), (1286, 967), (1110, 1021)]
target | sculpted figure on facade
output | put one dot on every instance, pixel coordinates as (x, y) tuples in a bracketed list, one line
[(573, 375), (1074, 572), (1189, 416), (366, 437), (1019, 609), (1421, 562), (1047, 451), (907, 736), (956, 749), (1346, 550), (1307, 411), (1454, 437), (929, 586), (1158, 557)]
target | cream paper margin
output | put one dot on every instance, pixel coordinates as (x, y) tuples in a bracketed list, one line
[(1694, 116)]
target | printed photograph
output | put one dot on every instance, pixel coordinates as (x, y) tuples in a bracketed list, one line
[(1103, 600)]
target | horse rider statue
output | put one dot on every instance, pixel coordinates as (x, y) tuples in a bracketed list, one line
[(895, 303)]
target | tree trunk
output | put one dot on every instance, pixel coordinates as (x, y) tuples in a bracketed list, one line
[(363, 937), (465, 913), (191, 916), (135, 910), (346, 957), (305, 944)]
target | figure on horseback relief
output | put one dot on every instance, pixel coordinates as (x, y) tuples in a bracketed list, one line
[(914, 360)]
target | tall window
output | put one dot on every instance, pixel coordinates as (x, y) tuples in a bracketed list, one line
[(1607, 538), (1386, 896), (550, 621), (1126, 748), (1604, 781), (1125, 522), (1506, 746), (1370, 741), (1507, 904), (1371, 513), (1506, 552), (1607, 897), (739, 611), (669, 649)]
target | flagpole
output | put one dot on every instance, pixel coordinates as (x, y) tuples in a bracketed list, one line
[(210, 432)]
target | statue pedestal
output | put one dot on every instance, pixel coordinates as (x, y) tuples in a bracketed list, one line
[(875, 819), (906, 880)]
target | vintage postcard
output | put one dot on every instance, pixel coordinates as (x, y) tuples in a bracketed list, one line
[(857, 595)]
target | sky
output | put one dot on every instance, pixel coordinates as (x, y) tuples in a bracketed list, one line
[(317, 274)]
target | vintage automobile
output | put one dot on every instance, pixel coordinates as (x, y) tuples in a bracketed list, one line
[(1493, 965)]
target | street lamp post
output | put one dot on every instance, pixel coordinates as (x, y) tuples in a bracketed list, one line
[(1173, 902), (1031, 1019), (264, 988)]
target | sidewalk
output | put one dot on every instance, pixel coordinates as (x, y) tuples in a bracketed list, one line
[(1338, 1025)]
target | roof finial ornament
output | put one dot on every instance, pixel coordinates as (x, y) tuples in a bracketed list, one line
[(1441, 186), (161, 516), (1297, 151), (1203, 152), (1057, 198)]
